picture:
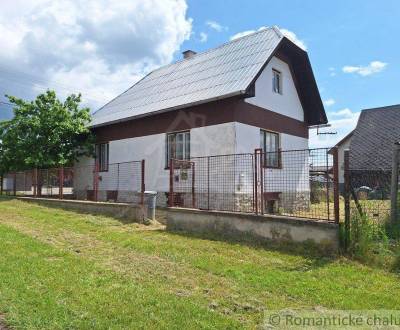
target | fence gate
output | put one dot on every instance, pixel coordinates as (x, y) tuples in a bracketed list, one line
[(182, 184)]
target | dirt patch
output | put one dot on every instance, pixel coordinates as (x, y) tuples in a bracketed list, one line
[(2, 324)]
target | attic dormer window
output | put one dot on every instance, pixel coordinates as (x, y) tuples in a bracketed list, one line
[(276, 81)]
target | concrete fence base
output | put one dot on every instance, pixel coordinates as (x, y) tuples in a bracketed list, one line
[(276, 228), (117, 210)]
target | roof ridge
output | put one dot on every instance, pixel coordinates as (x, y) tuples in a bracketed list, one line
[(384, 107), (222, 45), (274, 28)]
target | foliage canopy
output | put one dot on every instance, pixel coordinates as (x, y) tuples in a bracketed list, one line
[(45, 132)]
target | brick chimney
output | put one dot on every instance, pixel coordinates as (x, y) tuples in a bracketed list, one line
[(188, 53)]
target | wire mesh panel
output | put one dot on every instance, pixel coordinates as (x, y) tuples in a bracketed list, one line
[(121, 182), (8, 183), (48, 183), (223, 183), (83, 182), (296, 183), (398, 190), (370, 193), (24, 183), (300, 184), (67, 178), (182, 182)]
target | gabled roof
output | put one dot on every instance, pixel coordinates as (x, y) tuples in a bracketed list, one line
[(345, 139), (226, 71), (371, 147)]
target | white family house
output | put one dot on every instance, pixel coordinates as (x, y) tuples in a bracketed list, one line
[(257, 91)]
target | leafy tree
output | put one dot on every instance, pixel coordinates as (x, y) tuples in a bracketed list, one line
[(45, 133)]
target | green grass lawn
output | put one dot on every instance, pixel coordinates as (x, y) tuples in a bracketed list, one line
[(61, 270)]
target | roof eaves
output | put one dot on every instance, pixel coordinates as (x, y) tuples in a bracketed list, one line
[(241, 92)]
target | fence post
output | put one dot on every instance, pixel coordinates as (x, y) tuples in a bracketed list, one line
[(262, 206), (208, 182), (61, 182), (15, 184), (193, 190), (2, 181), (347, 198), (394, 183), (143, 186), (255, 182), (336, 184), (96, 181), (35, 181), (171, 183)]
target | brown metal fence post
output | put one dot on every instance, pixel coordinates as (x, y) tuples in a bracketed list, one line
[(96, 181), (142, 186), (208, 183), (346, 199), (336, 184), (394, 189), (255, 182), (171, 183), (1, 187), (15, 184), (261, 167), (61, 182), (35, 181), (193, 190), (327, 183)]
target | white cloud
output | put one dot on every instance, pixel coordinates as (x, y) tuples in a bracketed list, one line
[(245, 33), (332, 71), (203, 37), (371, 68), (216, 26), (329, 102), (293, 37), (287, 33), (99, 54), (342, 122)]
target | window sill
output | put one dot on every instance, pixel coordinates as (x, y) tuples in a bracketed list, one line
[(273, 167)]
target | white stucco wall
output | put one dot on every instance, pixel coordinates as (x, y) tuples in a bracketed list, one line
[(294, 175), (287, 103), (204, 141), (248, 139)]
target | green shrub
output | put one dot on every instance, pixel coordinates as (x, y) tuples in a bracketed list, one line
[(369, 241)]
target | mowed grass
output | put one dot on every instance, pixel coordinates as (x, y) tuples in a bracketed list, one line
[(61, 269)]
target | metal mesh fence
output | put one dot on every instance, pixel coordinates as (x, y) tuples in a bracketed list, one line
[(370, 193), (398, 191), (302, 185), (224, 183), (122, 182), (299, 185)]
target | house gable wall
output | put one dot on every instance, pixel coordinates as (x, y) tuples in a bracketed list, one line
[(288, 103)]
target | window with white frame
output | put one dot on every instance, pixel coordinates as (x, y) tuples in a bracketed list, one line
[(178, 147), (276, 81), (270, 146), (102, 150)]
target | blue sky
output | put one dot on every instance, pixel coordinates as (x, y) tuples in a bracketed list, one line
[(353, 46), (337, 34)]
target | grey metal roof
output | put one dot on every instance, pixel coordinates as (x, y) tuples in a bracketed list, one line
[(217, 73), (371, 147)]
